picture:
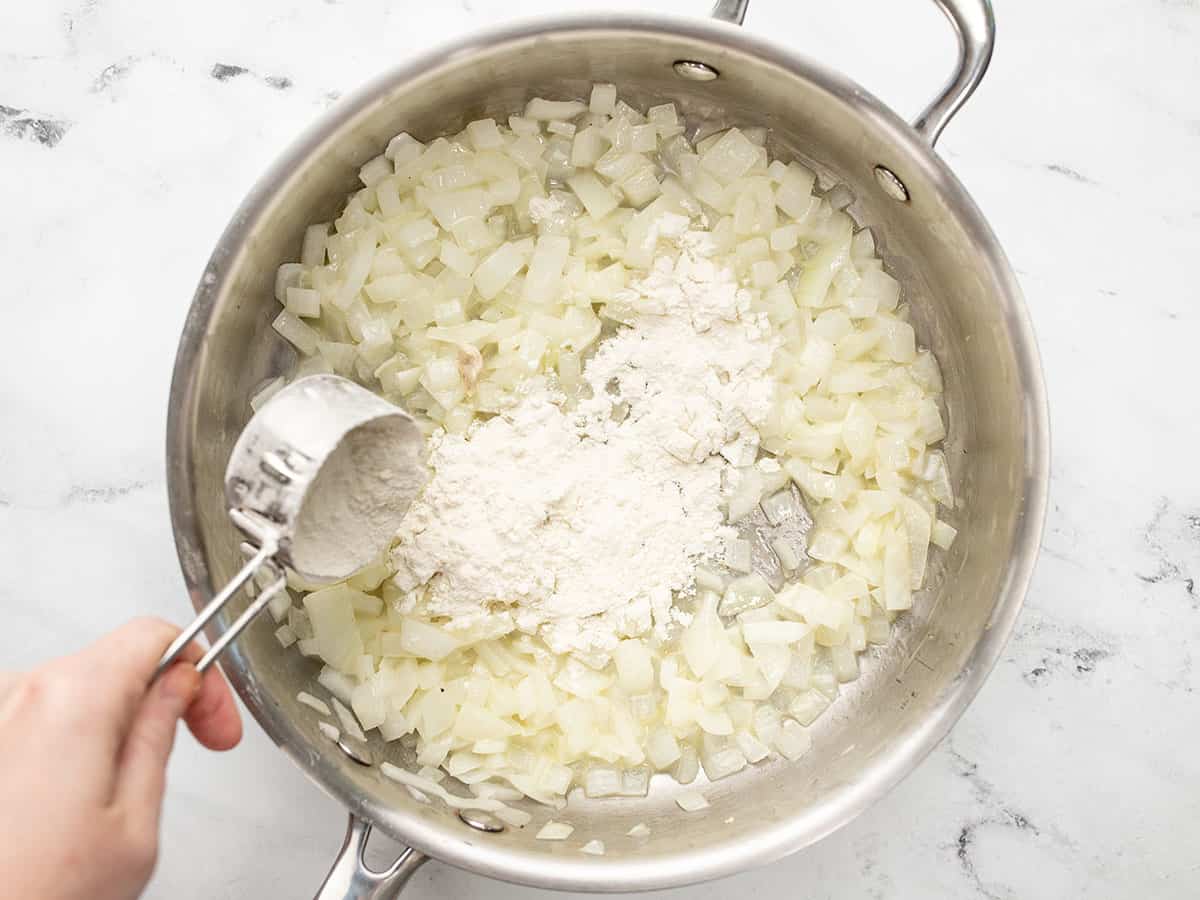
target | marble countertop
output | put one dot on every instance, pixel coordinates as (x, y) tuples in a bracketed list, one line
[(129, 131)]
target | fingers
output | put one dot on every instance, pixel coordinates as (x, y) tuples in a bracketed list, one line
[(126, 659), (136, 647), (213, 716), (8, 680), (142, 766), (118, 667)]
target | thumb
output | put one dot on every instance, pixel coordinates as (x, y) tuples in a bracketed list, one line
[(142, 767)]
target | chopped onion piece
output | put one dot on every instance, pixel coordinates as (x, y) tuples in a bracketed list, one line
[(316, 703), (296, 332), (279, 605), (751, 747), (603, 99), (807, 706), (597, 199), (691, 801), (722, 763), (602, 782), (737, 557), (554, 831), (268, 390), (349, 723), (745, 593), (635, 668), (338, 684), (484, 135), (707, 579), (312, 253), (517, 818), (688, 765), (662, 748), (789, 558), (780, 507), (775, 632), (538, 108), (593, 847), (434, 789), (943, 534), (792, 741)]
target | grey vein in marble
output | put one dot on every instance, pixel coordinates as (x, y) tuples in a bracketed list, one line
[(1173, 538), (103, 494), (20, 123), (1068, 172), (113, 73), (226, 71)]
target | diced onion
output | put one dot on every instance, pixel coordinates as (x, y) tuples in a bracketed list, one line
[(470, 264), (603, 99), (792, 741), (517, 818), (722, 763), (314, 702), (538, 108), (349, 723), (555, 831), (279, 605), (691, 801), (688, 765), (601, 781), (338, 684), (738, 556)]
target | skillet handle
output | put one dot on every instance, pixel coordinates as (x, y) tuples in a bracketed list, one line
[(350, 879), (732, 11), (975, 27)]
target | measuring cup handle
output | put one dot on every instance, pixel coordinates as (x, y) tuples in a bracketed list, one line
[(732, 11), (256, 562)]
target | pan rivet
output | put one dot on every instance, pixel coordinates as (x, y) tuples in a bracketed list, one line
[(480, 821), (695, 71), (359, 754), (891, 185)]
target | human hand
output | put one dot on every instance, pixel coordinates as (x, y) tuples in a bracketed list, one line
[(84, 742)]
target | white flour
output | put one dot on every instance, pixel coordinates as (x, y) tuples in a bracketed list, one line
[(580, 523), (358, 499)]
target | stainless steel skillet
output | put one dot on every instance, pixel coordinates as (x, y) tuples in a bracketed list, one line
[(967, 307)]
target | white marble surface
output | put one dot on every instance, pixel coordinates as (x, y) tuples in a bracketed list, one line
[(1074, 774)]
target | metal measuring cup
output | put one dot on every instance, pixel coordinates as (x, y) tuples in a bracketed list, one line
[(276, 462)]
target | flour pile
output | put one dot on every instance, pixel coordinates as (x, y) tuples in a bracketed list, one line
[(359, 498), (578, 524)]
